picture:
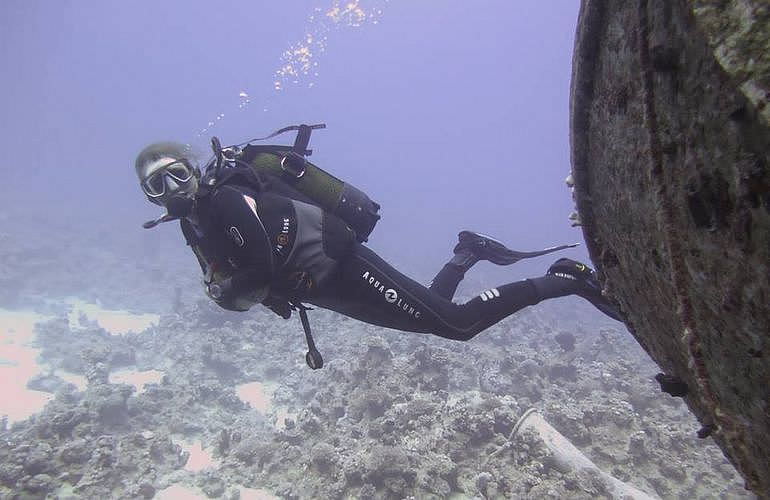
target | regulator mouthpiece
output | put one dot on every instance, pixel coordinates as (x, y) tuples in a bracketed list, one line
[(163, 218), (179, 206)]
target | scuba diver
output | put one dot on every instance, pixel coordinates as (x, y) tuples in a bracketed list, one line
[(269, 227)]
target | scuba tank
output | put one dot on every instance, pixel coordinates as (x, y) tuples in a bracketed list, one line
[(289, 165)]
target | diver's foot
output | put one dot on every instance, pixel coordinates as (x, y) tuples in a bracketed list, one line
[(483, 247), (588, 286), (574, 270)]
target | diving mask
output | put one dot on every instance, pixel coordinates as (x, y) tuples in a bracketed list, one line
[(167, 179)]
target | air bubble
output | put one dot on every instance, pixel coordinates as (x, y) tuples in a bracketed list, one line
[(299, 58), (298, 62)]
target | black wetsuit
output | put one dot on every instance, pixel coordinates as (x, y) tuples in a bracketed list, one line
[(371, 290), (316, 260)]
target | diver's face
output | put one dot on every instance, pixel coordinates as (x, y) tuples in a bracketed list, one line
[(167, 177)]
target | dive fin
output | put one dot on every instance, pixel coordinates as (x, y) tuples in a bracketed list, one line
[(484, 247)]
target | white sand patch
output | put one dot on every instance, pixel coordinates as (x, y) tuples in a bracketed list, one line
[(18, 363), (78, 381), (114, 321), (180, 492), (281, 415), (137, 379), (18, 358), (199, 458), (257, 395), (472, 397), (256, 494), (65, 491)]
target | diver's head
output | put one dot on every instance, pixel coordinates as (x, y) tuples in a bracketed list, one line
[(167, 175)]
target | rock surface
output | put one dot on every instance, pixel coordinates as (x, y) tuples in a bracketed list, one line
[(670, 129)]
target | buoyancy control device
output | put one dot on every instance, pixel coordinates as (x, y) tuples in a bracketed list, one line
[(292, 175), (289, 167)]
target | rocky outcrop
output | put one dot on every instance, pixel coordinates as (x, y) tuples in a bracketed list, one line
[(670, 130)]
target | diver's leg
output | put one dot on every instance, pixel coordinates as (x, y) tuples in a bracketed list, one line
[(369, 289), (446, 281), (471, 248), (493, 305)]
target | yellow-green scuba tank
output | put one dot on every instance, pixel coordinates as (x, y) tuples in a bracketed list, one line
[(288, 165)]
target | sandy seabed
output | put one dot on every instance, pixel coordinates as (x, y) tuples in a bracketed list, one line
[(19, 356), (18, 364), (180, 492)]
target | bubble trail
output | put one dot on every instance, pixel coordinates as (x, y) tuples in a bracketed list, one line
[(298, 64)]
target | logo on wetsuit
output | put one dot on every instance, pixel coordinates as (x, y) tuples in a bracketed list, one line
[(236, 236), (391, 295), (283, 237)]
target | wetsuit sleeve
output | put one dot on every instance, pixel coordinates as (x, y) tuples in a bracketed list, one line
[(244, 243)]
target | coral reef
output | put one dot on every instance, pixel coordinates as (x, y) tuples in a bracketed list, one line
[(391, 415)]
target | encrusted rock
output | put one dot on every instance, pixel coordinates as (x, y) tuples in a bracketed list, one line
[(212, 485), (323, 457), (146, 490), (45, 383), (38, 459), (670, 126), (39, 483), (75, 452), (10, 473)]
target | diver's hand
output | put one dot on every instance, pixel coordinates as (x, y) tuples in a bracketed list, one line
[(279, 306)]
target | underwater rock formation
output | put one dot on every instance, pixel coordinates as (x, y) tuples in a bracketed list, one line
[(670, 131)]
